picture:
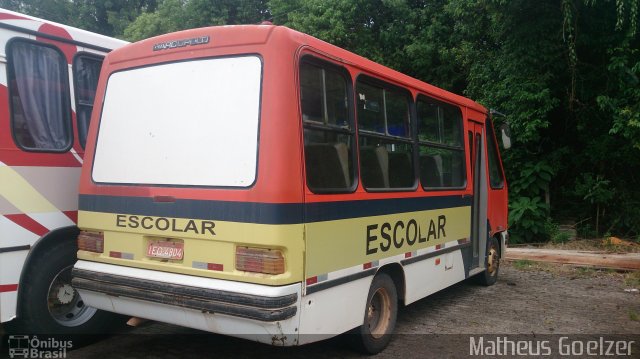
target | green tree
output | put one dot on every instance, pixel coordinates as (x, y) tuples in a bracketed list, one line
[(566, 72), (104, 17), (174, 15)]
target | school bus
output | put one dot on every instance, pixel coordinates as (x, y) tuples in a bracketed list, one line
[(48, 77), (258, 182)]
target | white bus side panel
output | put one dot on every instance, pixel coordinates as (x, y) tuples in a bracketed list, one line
[(333, 311), (425, 277), (10, 273)]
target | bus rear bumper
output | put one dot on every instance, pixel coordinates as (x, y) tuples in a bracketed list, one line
[(256, 312)]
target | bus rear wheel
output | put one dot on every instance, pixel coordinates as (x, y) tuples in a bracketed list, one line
[(380, 316)]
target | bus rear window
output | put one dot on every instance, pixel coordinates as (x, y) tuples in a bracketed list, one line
[(192, 123)]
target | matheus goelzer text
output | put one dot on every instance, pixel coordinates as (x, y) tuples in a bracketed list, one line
[(564, 345)]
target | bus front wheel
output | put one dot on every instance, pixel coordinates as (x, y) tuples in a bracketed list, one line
[(380, 316), (492, 264)]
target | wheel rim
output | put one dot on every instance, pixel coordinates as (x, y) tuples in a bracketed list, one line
[(379, 313), (65, 305), (493, 260)]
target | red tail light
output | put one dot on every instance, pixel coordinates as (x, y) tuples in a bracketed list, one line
[(91, 241), (259, 260)]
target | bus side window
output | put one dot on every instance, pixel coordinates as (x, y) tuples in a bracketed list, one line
[(442, 160), (39, 91), (495, 171), (328, 134), (86, 70), (386, 147)]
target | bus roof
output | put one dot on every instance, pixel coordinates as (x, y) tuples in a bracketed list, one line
[(234, 35), (24, 23)]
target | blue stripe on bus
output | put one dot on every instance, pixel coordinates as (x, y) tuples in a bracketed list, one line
[(266, 213)]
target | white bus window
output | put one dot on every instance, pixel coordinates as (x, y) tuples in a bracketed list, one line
[(39, 93), (191, 123)]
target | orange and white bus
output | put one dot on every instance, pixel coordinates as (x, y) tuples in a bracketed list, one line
[(48, 77), (255, 181)]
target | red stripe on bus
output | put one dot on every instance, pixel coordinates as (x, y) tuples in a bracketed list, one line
[(215, 266), (72, 215), (8, 288), (4, 16), (28, 223), (68, 49)]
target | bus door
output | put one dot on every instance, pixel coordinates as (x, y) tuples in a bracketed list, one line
[(479, 203)]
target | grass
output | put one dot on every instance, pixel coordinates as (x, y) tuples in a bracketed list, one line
[(522, 263), (633, 315), (632, 279), (585, 270)]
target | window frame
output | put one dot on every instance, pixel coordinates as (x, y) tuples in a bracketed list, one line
[(411, 139), (67, 115), (432, 144), (76, 58), (315, 60), (491, 137), (258, 134)]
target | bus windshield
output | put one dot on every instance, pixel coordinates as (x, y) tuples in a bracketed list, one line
[(192, 123)]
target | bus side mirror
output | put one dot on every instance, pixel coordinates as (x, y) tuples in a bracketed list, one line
[(505, 130)]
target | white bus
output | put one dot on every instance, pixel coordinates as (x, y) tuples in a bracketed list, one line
[(48, 77)]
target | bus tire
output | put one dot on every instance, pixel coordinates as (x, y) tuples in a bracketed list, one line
[(492, 263), (380, 316), (50, 305)]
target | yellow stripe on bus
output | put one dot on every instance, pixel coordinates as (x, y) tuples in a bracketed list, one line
[(21, 194), (204, 242), (339, 244), (323, 247)]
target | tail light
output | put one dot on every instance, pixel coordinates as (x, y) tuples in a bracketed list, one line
[(259, 260), (91, 241)]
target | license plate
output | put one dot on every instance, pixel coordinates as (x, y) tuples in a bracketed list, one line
[(165, 250)]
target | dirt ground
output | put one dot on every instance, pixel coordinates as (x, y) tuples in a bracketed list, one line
[(540, 302)]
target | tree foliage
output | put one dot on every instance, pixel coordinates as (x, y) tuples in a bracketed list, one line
[(566, 73), (104, 17), (174, 15)]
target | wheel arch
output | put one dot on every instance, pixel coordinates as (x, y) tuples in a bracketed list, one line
[(396, 272), (69, 233), (503, 240)]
